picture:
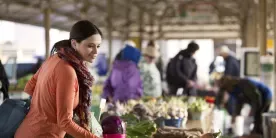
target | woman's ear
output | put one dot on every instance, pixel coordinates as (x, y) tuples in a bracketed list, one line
[(74, 44)]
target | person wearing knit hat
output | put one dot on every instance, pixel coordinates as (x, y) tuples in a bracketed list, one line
[(232, 65), (127, 43), (159, 61), (152, 43), (150, 74), (131, 53), (151, 53)]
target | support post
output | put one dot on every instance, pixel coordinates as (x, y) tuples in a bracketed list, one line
[(263, 30), (110, 28), (47, 27), (151, 32), (141, 28), (128, 22), (84, 10), (160, 30), (243, 32), (274, 28)]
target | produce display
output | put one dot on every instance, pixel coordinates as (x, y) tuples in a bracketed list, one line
[(142, 112), (198, 105), (136, 128), (156, 118), (175, 108)]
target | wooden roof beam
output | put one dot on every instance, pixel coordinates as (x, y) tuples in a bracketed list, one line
[(70, 16)]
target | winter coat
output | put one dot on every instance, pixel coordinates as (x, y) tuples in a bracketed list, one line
[(244, 91), (232, 66), (264, 90), (182, 68), (159, 64), (124, 82), (102, 65), (151, 79)]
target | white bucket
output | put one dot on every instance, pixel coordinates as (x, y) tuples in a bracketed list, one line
[(1, 97), (238, 127)]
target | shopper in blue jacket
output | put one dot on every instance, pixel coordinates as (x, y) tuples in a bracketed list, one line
[(245, 90)]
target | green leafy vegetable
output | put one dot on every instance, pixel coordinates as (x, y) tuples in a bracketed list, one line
[(138, 129), (198, 105)]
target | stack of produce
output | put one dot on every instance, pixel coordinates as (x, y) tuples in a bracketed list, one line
[(142, 112), (175, 108), (174, 112)]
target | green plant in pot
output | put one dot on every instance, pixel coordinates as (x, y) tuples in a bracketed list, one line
[(196, 108)]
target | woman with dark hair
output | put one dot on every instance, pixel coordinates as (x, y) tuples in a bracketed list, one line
[(61, 87)]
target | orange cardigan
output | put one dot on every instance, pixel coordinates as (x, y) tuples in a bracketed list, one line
[(55, 94)]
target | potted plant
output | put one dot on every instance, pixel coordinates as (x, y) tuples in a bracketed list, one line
[(196, 108)]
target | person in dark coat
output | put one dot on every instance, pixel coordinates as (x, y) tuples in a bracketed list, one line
[(182, 71), (232, 65), (241, 91), (4, 82)]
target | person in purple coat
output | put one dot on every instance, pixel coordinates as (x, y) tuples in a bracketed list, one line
[(124, 82)]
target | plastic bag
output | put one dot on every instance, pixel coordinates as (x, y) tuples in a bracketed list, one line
[(95, 126)]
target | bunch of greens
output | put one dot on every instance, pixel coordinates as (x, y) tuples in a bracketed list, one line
[(198, 105), (136, 128)]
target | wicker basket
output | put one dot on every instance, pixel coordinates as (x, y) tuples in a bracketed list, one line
[(169, 132)]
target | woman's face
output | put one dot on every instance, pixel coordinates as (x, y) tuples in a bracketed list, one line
[(88, 48)]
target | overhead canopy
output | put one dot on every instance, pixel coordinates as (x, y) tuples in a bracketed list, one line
[(162, 18)]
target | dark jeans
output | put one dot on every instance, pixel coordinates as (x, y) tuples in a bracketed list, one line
[(258, 127)]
